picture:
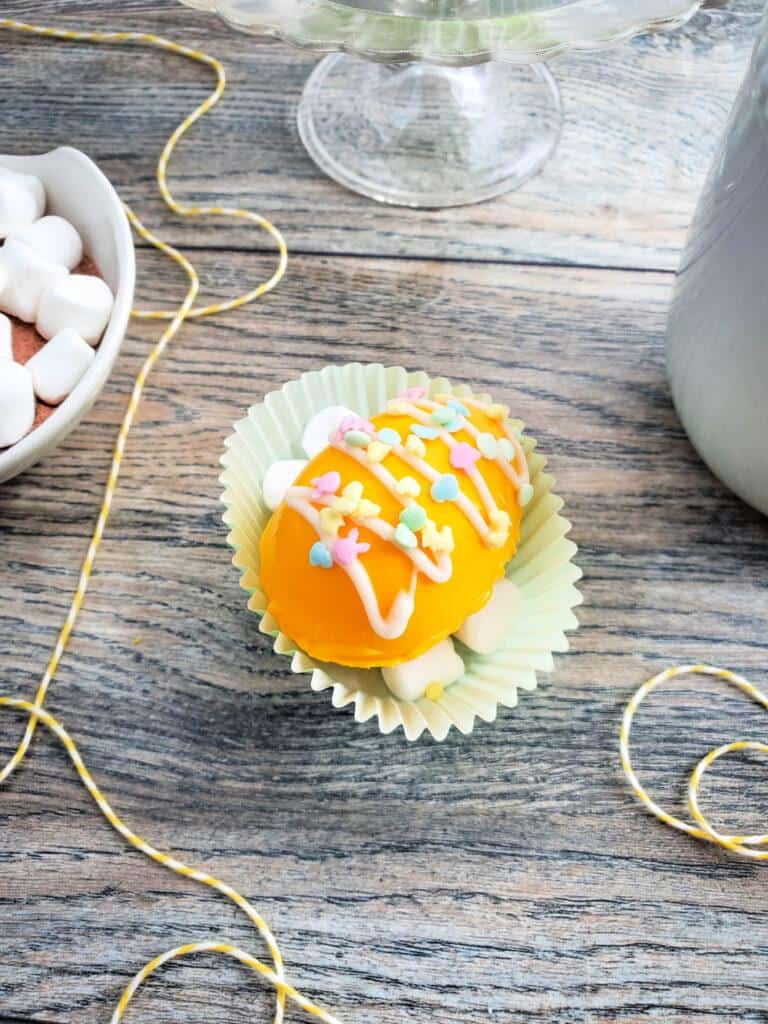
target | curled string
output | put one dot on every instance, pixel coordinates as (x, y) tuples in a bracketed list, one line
[(742, 845), (34, 710)]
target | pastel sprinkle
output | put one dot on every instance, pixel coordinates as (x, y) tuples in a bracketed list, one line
[(507, 449), (437, 540), (346, 549), (434, 691), (408, 486), (320, 556), (343, 505), (367, 509), (331, 520), (350, 423), (496, 411), (488, 445), (357, 438), (414, 517), (326, 484), (416, 446), (422, 430), (389, 436), (414, 394), (455, 424), (458, 407), (443, 415), (464, 456), (526, 493), (499, 520), (377, 451), (405, 537), (353, 491), (398, 408), (446, 488)]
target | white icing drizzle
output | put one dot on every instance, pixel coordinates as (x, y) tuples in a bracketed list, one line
[(418, 465), (507, 467), (394, 624), (304, 501)]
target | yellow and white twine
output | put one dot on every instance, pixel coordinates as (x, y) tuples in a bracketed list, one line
[(35, 710), (743, 845)]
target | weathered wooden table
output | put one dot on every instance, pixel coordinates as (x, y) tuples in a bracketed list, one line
[(505, 877)]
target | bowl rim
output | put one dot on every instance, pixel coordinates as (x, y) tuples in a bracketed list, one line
[(66, 416)]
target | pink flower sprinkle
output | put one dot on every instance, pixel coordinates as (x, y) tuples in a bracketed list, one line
[(464, 456), (414, 394), (325, 485), (353, 422), (346, 549)]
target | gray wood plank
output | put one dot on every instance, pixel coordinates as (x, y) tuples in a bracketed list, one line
[(642, 126), (509, 876)]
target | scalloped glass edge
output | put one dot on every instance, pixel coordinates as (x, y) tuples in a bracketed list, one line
[(543, 566), (326, 27)]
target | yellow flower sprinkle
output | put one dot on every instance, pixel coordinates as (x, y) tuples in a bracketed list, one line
[(434, 691), (353, 491), (377, 451), (499, 520), (367, 509), (397, 408), (497, 411), (343, 505), (416, 446), (331, 520), (408, 486), (437, 540)]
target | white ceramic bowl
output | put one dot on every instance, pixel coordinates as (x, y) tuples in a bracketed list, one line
[(76, 189)]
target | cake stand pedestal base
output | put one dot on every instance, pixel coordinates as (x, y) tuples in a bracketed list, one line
[(429, 136)]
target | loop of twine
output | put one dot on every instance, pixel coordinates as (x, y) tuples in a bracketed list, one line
[(742, 845), (34, 709)]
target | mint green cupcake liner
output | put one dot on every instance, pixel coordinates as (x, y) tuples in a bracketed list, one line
[(543, 568)]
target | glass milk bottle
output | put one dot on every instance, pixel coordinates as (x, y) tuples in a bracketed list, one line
[(717, 335)]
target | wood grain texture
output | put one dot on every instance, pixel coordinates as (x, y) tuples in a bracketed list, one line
[(642, 123), (507, 877)]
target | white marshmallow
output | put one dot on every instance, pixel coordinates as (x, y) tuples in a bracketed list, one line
[(320, 427), (24, 276), (6, 338), (59, 365), (17, 402), (409, 679), (22, 200), (484, 631), (279, 478), (54, 238), (80, 301)]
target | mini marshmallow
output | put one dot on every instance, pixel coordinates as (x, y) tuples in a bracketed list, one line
[(24, 276), (17, 402), (440, 664), (278, 478), (22, 200), (485, 631), (6, 338), (59, 365), (320, 427), (54, 238), (80, 301)]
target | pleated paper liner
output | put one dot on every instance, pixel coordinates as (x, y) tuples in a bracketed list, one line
[(543, 567)]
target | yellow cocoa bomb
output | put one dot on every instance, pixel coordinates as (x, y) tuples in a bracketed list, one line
[(396, 533)]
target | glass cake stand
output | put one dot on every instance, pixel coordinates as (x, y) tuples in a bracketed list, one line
[(434, 103)]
